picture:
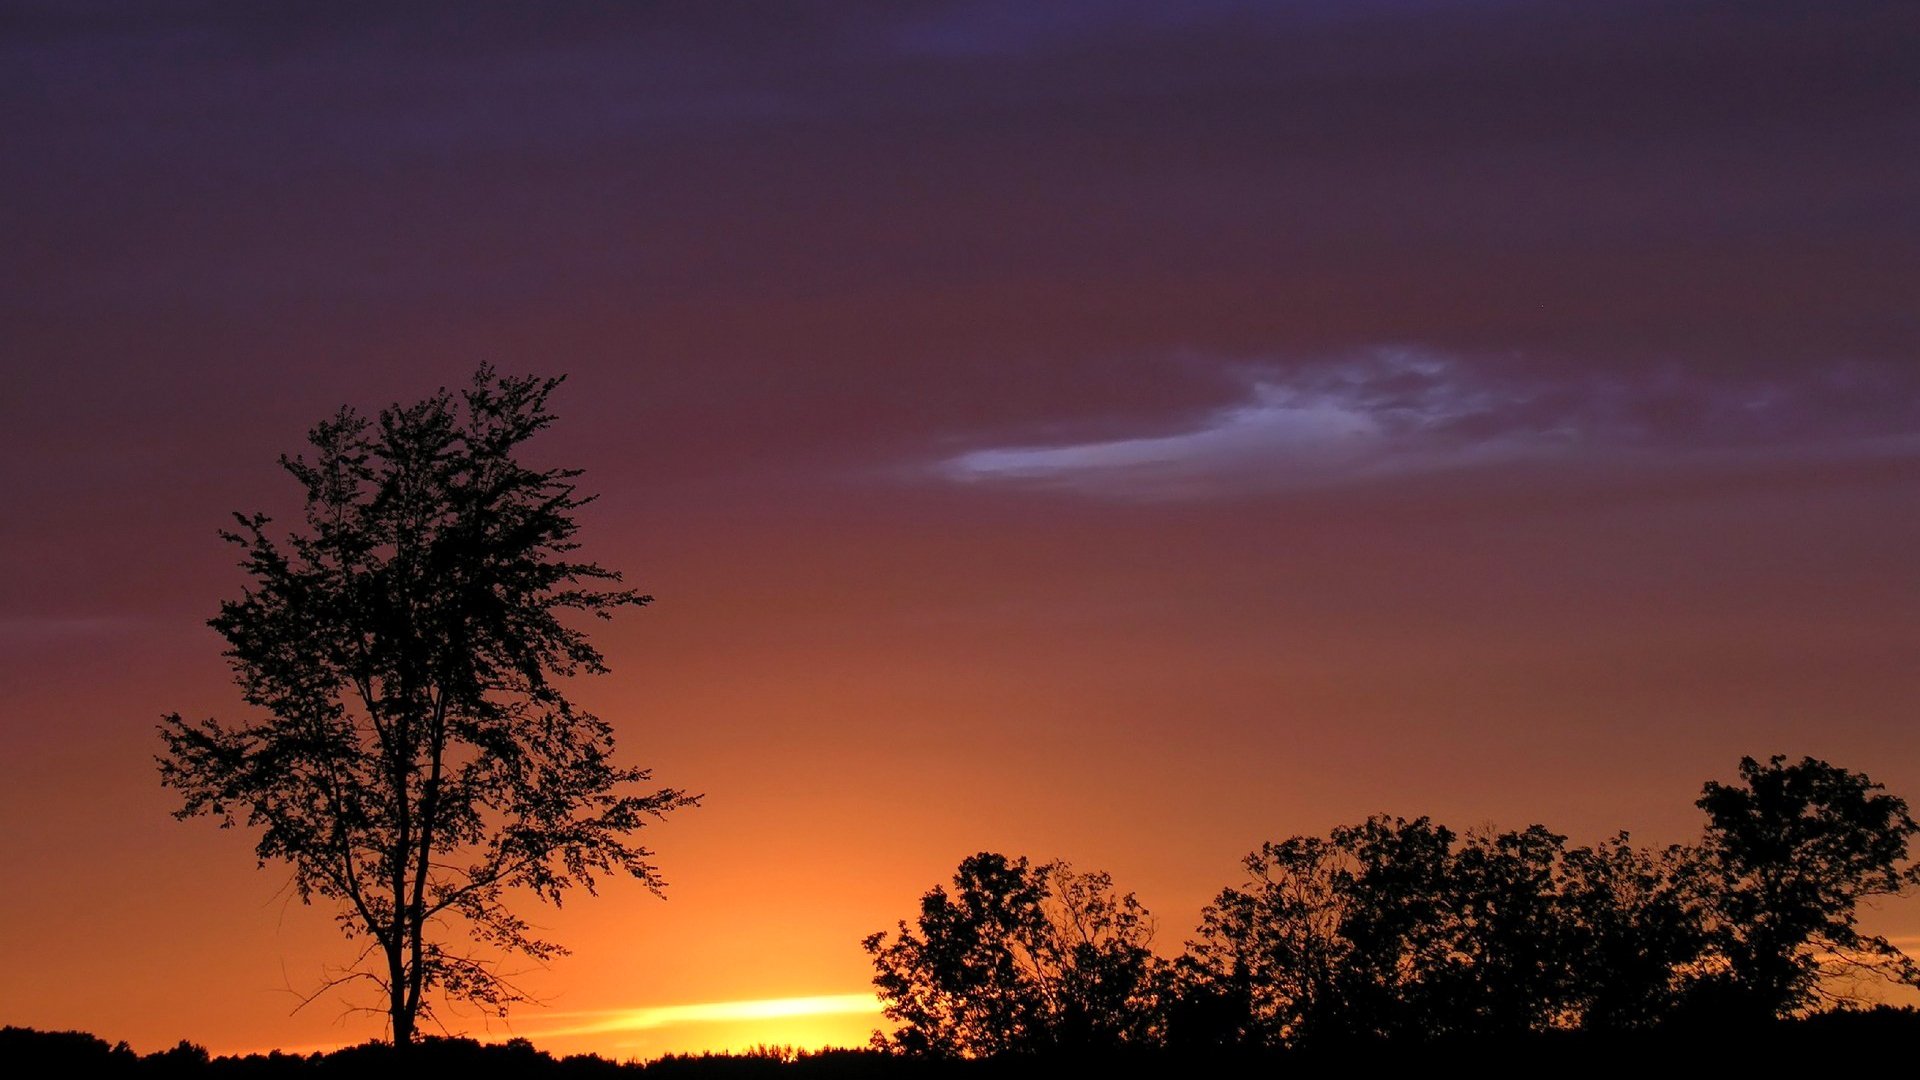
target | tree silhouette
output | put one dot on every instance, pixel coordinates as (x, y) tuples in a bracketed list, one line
[(417, 760), (1350, 936), (1018, 959), (1272, 949), (1511, 933), (1395, 929), (1790, 852), (1397, 977), (1635, 932)]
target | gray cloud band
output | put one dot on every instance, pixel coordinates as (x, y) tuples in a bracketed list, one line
[(1393, 411)]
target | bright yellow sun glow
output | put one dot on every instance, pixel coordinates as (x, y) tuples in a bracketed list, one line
[(804, 1023), (658, 1016)]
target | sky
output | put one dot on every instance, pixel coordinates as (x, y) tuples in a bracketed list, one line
[(1120, 432)]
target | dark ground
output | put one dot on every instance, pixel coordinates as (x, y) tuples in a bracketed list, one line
[(1820, 1045)]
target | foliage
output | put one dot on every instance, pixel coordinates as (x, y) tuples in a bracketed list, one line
[(1402, 932), (1791, 851), (30, 1052), (1510, 934), (1336, 937), (417, 759), (1397, 930), (1018, 959), (1636, 932)]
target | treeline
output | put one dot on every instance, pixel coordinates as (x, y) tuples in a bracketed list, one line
[(1389, 944), (1397, 932), (1811, 1046)]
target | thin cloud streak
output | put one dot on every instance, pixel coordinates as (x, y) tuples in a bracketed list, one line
[(1398, 411)]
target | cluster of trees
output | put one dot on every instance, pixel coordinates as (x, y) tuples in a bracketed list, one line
[(1395, 930)]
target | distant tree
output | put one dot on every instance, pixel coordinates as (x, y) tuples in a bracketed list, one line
[(1336, 938), (1791, 851), (28, 1052), (184, 1058), (1510, 930), (1634, 932), (1397, 929), (1018, 959), (1401, 930), (1400, 974), (417, 759), (1272, 949)]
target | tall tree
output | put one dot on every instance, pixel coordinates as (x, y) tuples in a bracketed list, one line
[(1791, 851), (415, 760)]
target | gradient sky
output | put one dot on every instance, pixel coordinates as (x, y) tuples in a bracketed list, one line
[(1115, 431)]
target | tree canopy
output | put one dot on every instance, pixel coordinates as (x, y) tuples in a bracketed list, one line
[(1397, 932), (414, 756), (1018, 958), (1792, 850)]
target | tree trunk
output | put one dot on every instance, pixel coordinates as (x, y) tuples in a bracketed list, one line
[(398, 1010)]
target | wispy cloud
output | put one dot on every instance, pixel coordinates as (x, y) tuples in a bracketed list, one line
[(1395, 411)]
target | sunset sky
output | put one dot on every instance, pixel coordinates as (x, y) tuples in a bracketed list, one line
[(1123, 432)]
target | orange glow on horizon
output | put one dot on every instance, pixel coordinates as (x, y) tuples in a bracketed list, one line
[(641, 1019), (803, 1023)]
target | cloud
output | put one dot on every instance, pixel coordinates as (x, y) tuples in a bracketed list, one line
[(1395, 411)]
